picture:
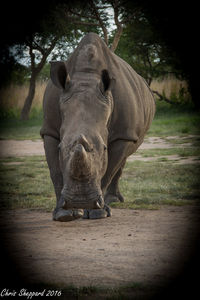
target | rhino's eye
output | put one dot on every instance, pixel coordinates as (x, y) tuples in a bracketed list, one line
[(105, 96), (65, 97)]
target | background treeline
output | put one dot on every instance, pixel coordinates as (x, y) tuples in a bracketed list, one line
[(151, 39), (13, 95)]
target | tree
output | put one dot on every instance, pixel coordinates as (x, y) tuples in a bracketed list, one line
[(174, 26), (175, 30), (139, 47), (36, 46), (83, 17), (94, 14)]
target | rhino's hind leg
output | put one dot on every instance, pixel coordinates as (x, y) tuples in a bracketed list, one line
[(97, 213)]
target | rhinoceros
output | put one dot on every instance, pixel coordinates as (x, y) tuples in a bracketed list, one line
[(97, 110)]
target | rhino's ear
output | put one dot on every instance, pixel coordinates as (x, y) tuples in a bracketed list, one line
[(106, 80), (58, 74)]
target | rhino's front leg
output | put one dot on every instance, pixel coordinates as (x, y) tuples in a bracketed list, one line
[(52, 157), (113, 193), (117, 153)]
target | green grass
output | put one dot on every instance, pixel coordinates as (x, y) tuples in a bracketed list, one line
[(20, 130), (148, 185), (11, 127), (174, 120), (169, 120), (182, 152), (25, 183), (194, 140)]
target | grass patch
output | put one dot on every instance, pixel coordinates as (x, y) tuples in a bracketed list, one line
[(25, 183), (147, 185), (182, 152), (174, 120), (169, 120), (194, 140), (21, 130)]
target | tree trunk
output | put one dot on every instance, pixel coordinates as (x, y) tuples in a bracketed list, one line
[(116, 39), (193, 88), (29, 99), (149, 80), (162, 97)]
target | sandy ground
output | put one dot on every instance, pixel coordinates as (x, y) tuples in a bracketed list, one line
[(10, 148), (17, 148), (132, 246)]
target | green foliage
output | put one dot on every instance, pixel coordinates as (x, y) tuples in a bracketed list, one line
[(139, 48), (9, 113), (181, 98), (20, 74)]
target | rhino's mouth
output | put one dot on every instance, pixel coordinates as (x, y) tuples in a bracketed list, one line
[(82, 197)]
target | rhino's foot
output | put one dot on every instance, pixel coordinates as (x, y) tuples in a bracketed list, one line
[(109, 198), (97, 213), (64, 215)]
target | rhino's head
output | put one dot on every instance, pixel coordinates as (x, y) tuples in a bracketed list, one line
[(85, 106)]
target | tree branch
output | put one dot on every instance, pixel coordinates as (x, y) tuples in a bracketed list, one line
[(162, 97), (149, 60), (32, 55), (78, 22), (119, 30), (98, 17), (103, 7), (81, 15), (36, 46), (46, 53)]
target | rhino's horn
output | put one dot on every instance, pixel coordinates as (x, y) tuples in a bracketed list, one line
[(83, 141), (79, 163)]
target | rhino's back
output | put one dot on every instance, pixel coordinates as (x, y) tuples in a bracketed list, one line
[(134, 104)]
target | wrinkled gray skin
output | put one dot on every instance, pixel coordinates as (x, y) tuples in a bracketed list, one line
[(97, 110)]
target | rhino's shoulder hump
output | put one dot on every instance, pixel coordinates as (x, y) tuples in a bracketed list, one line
[(91, 37)]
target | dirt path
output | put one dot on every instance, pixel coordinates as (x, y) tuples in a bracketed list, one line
[(149, 247), (17, 148), (131, 246)]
